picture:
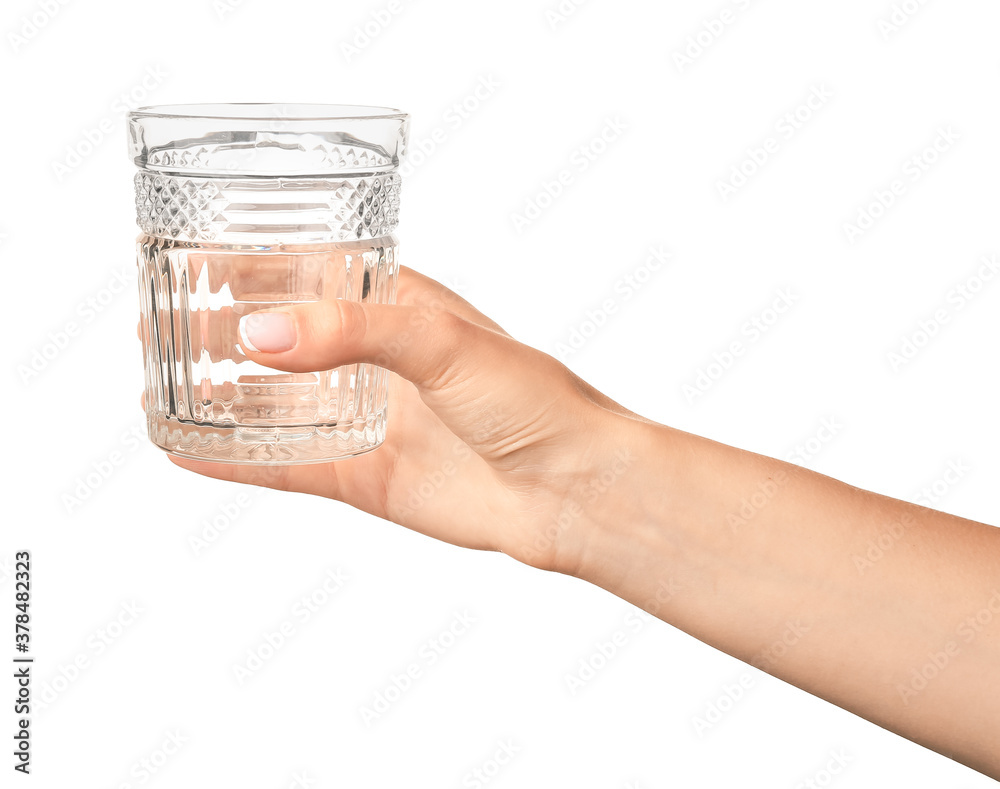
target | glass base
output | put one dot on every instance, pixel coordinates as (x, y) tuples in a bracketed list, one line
[(286, 445)]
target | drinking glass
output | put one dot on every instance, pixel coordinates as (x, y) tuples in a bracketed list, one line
[(244, 207)]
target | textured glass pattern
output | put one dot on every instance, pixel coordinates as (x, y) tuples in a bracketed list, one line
[(206, 209), (245, 207), (323, 153), (206, 399)]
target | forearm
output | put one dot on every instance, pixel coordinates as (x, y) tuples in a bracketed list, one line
[(771, 563)]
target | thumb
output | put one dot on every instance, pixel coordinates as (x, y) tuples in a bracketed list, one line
[(424, 346), (468, 374)]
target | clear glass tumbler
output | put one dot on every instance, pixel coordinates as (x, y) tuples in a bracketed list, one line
[(245, 207)]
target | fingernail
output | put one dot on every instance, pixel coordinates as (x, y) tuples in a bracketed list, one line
[(267, 332)]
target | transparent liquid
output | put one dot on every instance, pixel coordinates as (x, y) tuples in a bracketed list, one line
[(206, 399)]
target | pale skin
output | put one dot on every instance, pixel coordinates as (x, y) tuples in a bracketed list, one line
[(766, 561)]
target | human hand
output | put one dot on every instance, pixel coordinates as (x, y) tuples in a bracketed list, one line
[(490, 444), (494, 445)]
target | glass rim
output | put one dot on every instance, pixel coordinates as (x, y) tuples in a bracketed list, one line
[(267, 111)]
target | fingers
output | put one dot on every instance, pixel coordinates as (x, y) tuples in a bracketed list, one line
[(214, 332), (428, 346), (269, 476), (488, 389), (425, 337), (464, 366)]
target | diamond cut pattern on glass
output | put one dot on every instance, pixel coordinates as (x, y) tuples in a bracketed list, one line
[(198, 209)]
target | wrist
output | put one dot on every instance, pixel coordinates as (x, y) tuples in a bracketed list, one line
[(620, 518)]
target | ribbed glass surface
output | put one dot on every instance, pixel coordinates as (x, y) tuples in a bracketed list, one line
[(244, 207), (205, 399)]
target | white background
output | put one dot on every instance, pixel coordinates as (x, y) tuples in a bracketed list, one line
[(67, 242)]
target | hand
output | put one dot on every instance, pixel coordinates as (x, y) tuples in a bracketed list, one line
[(497, 446), (490, 444)]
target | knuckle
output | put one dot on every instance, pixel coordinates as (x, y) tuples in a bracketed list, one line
[(457, 337), (353, 323), (454, 327)]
